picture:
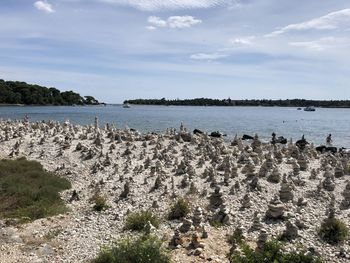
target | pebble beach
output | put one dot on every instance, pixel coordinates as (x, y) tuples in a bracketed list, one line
[(261, 189)]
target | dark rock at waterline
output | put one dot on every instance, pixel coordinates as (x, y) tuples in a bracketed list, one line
[(301, 143), (196, 131), (323, 149), (247, 137), (281, 140), (216, 134)]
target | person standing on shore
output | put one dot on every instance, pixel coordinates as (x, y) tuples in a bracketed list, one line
[(329, 140), (273, 140)]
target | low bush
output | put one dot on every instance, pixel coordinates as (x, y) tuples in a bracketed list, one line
[(28, 192), (271, 252), (100, 202), (145, 249), (137, 221), (333, 231), (236, 237), (179, 209)]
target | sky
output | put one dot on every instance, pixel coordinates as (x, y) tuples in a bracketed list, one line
[(124, 49)]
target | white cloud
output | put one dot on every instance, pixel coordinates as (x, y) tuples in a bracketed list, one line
[(151, 28), (207, 56), (330, 21), (158, 5), (323, 43), (172, 22), (156, 21), (44, 6), (242, 41), (182, 21), (227, 51)]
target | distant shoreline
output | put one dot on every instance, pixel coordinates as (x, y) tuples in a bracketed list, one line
[(167, 105), (49, 105), (297, 103), (232, 106)]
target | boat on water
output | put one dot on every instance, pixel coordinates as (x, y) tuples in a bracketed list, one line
[(310, 108), (298, 108), (126, 106)]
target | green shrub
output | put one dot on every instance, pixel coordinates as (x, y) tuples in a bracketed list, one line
[(271, 252), (216, 224), (28, 192), (100, 202), (145, 249), (333, 231), (137, 221), (235, 238), (179, 209)]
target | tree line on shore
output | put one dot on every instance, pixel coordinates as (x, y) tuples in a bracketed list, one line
[(16, 92), (252, 102)]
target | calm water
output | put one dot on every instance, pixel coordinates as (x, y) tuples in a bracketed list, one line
[(288, 122)]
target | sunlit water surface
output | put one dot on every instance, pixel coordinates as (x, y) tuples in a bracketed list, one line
[(288, 122)]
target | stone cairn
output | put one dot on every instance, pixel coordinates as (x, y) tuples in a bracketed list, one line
[(186, 225), (222, 216), (262, 239), (339, 170), (246, 202), (257, 225), (313, 174), (275, 208), (254, 184), (249, 169), (269, 161), (331, 207), (301, 202), (302, 162), (263, 171), (328, 183), (238, 234), (275, 176), (197, 218), (126, 190), (149, 228), (234, 170), (346, 195), (216, 198), (176, 241), (296, 168), (256, 144), (286, 191), (291, 231), (278, 156), (195, 241)]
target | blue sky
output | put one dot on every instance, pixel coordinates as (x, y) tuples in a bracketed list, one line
[(122, 49)]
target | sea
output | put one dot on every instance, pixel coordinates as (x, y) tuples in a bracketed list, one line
[(284, 121)]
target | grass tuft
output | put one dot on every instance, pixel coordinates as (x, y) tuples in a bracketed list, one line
[(100, 202), (271, 252), (28, 192), (136, 221), (333, 231), (179, 209), (145, 249)]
